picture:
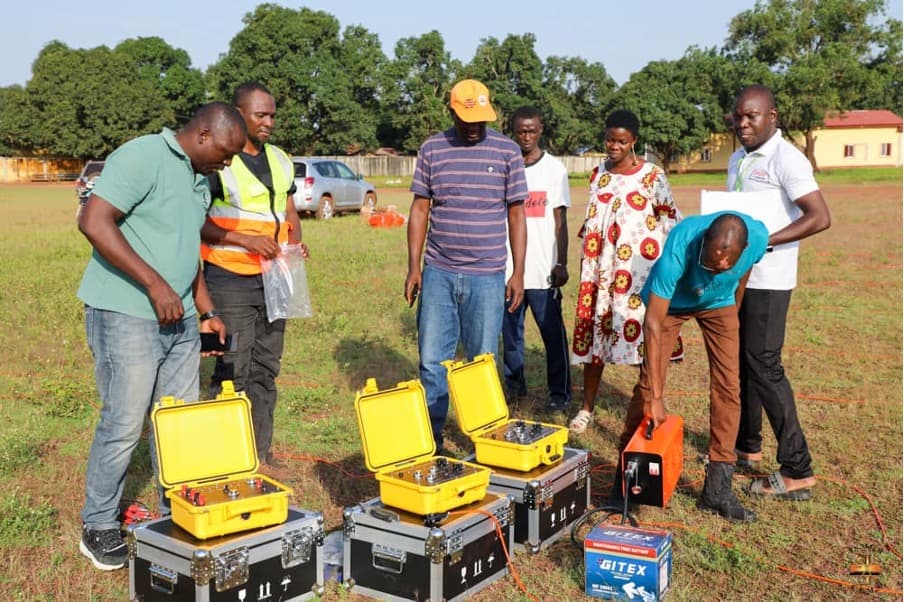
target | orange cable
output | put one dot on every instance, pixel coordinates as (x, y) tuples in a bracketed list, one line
[(888, 545), (508, 558)]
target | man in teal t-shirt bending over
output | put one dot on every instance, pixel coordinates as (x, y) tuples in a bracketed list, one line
[(701, 274), (142, 289)]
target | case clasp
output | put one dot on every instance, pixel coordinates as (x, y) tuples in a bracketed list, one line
[(232, 568), (296, 547)]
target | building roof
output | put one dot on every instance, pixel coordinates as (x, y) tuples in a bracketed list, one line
[(863, 119)]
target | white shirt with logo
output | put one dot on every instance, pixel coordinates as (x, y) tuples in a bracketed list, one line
[(547, 185), (776, 165)]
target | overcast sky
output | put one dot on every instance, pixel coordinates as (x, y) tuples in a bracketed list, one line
[(623, 36)]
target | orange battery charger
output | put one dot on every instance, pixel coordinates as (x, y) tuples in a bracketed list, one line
[(653, 461)]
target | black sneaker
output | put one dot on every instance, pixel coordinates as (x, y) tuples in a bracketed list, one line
[(105, 548)]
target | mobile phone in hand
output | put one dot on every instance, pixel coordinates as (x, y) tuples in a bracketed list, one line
[(210, 341)]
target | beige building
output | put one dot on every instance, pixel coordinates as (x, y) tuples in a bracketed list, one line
[(868, 138), (859, 139)]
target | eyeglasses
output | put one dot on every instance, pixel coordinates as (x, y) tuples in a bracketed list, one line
[(700, 261)]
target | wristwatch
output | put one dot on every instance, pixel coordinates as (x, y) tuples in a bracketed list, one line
[(207, 315)]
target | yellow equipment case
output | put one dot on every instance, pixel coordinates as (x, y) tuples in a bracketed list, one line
[(208, 464), (399, 447), (482, 413)]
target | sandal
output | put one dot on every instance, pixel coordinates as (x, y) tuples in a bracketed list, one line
[(778, 489), (579, 423)]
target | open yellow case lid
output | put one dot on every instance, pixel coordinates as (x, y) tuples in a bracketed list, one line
[(476, 393), (394, 424), (204, 440)]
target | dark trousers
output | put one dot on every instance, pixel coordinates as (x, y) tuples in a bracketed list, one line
[(546, 307), (719, 328), (254, 365), (764, 385)]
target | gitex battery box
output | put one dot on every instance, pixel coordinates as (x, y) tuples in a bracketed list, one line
[(548, 499), (627, 563), (482, 413), (654, 458), (282, 562), (208, 464), (398, 447), (391, 554)]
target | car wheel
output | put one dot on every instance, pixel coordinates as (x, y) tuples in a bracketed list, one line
[(370, 201), (325, 209)]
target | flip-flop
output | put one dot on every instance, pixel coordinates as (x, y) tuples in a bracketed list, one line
[(777, 489)]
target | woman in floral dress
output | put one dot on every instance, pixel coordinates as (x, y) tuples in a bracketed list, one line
[(629, 214)]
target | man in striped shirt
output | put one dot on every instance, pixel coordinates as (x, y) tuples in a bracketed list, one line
[(469, 184)]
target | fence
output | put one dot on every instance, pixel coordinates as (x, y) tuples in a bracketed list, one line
[(32, 169), (398, 167)]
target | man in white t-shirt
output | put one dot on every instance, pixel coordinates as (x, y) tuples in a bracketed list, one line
[(545, 268), (769, 162)]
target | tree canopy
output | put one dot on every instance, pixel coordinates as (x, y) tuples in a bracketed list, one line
[(336, 91), (822, 56)]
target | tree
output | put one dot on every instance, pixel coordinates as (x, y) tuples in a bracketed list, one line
[(317, 79), (169, 70), (416, 84), (85, 103), (576, 95), (826, 55), (512, 72), (677, 102)]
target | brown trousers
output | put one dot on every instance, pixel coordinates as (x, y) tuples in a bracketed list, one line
[(720, 330)]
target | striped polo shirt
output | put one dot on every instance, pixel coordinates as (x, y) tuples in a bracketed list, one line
[(470, 188)]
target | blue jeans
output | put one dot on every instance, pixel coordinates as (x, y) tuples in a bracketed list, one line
[(136, 362), (546, 307), (454, 307)]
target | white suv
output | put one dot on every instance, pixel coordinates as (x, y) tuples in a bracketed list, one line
[(327, 187)]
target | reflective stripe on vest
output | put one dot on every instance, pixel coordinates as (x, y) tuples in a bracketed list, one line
[(246, 207)]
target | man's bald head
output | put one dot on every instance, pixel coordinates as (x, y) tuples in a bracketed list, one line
[(214, 135), (723, 242)]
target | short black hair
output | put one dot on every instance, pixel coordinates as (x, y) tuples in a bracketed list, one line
[(759, 90), (217, 117), (525, 112), (244, 90), (624, 119)]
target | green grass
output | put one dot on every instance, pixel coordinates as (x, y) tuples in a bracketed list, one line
[(842, 353)]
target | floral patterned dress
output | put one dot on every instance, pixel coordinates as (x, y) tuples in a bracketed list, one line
[(628, 218)]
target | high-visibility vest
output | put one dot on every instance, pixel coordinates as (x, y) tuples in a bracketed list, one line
[(247, 207)]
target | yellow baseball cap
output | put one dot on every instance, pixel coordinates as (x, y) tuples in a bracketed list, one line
[(470, 100)]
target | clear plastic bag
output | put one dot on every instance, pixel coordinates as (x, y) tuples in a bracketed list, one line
[(286, 285)]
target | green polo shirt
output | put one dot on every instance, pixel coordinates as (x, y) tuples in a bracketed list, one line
[(151, 180)]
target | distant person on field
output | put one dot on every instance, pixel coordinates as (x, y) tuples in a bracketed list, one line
[(629, 214), (545, 266), (769, 162), (468, 186), (142, 290), (252, 215), (701, 275)]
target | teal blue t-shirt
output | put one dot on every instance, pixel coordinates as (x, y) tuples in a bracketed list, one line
[(151, 180), (678, 276)]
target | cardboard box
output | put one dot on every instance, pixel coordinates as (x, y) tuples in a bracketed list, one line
[(627, 563)]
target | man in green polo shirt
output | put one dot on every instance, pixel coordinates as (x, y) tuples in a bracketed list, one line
[(142, 289)]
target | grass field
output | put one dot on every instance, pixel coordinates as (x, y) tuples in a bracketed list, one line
[(842, 353)]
